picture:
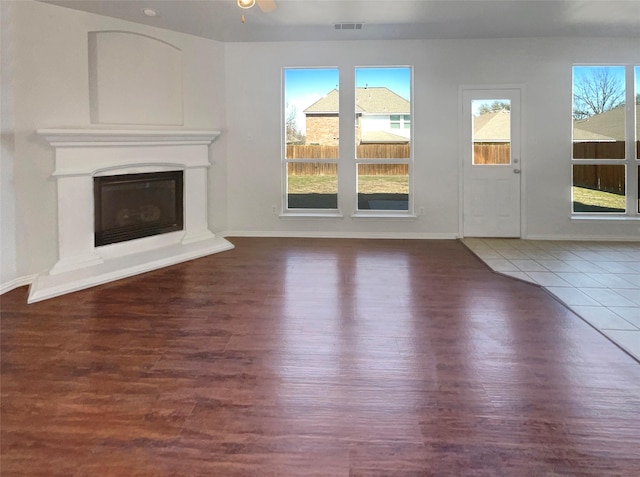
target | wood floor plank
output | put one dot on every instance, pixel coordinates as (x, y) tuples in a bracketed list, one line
[(314, 357)]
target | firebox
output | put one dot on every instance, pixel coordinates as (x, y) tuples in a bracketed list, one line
[(132, 206)]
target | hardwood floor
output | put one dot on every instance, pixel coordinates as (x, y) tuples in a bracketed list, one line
[(323, 357)]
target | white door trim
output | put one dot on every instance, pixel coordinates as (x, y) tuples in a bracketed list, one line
[(461, 158)]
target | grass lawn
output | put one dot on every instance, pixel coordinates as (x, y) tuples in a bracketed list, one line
[(598, 200), (367, 184)]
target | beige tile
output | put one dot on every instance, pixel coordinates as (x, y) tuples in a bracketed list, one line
[(579, 280), (519, 275), (631, 295), (616, 267), (629, 313), (585, 266), (501, 265), (548, 279), (572, 296), (528, 265), (602, 318), (628, 340), (633, 278), (609, 280), (606, 297), (556, 265)]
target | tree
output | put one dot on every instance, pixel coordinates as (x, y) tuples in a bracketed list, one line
[(293, 133), (597, 91), (494, 107)]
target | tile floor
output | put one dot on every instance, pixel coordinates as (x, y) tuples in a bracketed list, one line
[(599, 281)]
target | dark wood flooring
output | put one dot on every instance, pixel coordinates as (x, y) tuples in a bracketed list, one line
[(288, 357)]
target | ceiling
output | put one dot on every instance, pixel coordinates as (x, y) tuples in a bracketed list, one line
[(305, 20)]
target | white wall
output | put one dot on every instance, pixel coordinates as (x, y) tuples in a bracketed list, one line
[(543, 66), (51, 89), (380, 122), (8, 259)]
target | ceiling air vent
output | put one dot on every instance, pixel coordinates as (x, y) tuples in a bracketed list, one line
[(348, 26)]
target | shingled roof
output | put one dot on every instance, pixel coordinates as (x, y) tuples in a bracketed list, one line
[(382, 137), (369, 100), (609, 124), (492, 127)]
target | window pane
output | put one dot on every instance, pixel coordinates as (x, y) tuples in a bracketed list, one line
[(598, 112), (312, 185), (599, 188), (637, 110), (383, 112), (383, 187), (311, 112), (491, 131)]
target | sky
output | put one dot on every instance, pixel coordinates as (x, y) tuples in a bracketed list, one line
[(615, 72), (476, 104), (304, 86)]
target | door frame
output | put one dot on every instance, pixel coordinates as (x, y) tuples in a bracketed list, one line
[(461, 155)]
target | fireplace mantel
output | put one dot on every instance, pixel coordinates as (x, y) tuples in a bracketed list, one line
[(81, 155), (123, 137)]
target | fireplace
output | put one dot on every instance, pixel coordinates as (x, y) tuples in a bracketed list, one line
[(132, 206), (129, 201)]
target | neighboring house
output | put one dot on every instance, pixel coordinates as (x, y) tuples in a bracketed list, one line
[(607, 126), (383, 117), (492, 137), (601, 136), (493, 127)]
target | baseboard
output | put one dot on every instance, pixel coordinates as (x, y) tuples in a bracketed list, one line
[(17, 283), (583, 238), (350, 235), (47, 286)]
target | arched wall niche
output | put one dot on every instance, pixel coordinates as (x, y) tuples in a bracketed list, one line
[(134, 79)]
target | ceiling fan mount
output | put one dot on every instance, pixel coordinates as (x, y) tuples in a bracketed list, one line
[(265, 5)]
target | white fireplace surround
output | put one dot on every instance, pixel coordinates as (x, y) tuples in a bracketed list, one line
[(81, 155)]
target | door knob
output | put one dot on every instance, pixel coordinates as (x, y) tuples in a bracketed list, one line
[(516, 171)]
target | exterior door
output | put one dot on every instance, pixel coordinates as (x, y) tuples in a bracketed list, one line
[(491, 163)]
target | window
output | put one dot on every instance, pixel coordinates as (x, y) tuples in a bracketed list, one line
[(383, 138), (637, 119), (312, 116), (491, 132), (382, 151), (400, 122), (605, 147)]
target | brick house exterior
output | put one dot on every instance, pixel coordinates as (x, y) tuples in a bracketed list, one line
[(322, 129), (377, 104)]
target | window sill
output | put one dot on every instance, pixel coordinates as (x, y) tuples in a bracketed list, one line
[(384, 215), (607, 217), (309, 214)]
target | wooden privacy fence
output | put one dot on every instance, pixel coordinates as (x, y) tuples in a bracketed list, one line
[(491, 153), (363, 151), (599, 150), (609, 178), (604, 177), (331, 169)]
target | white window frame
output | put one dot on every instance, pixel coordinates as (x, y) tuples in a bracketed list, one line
[(346, 163), (303, 212), (630, 162), (410, 212)]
